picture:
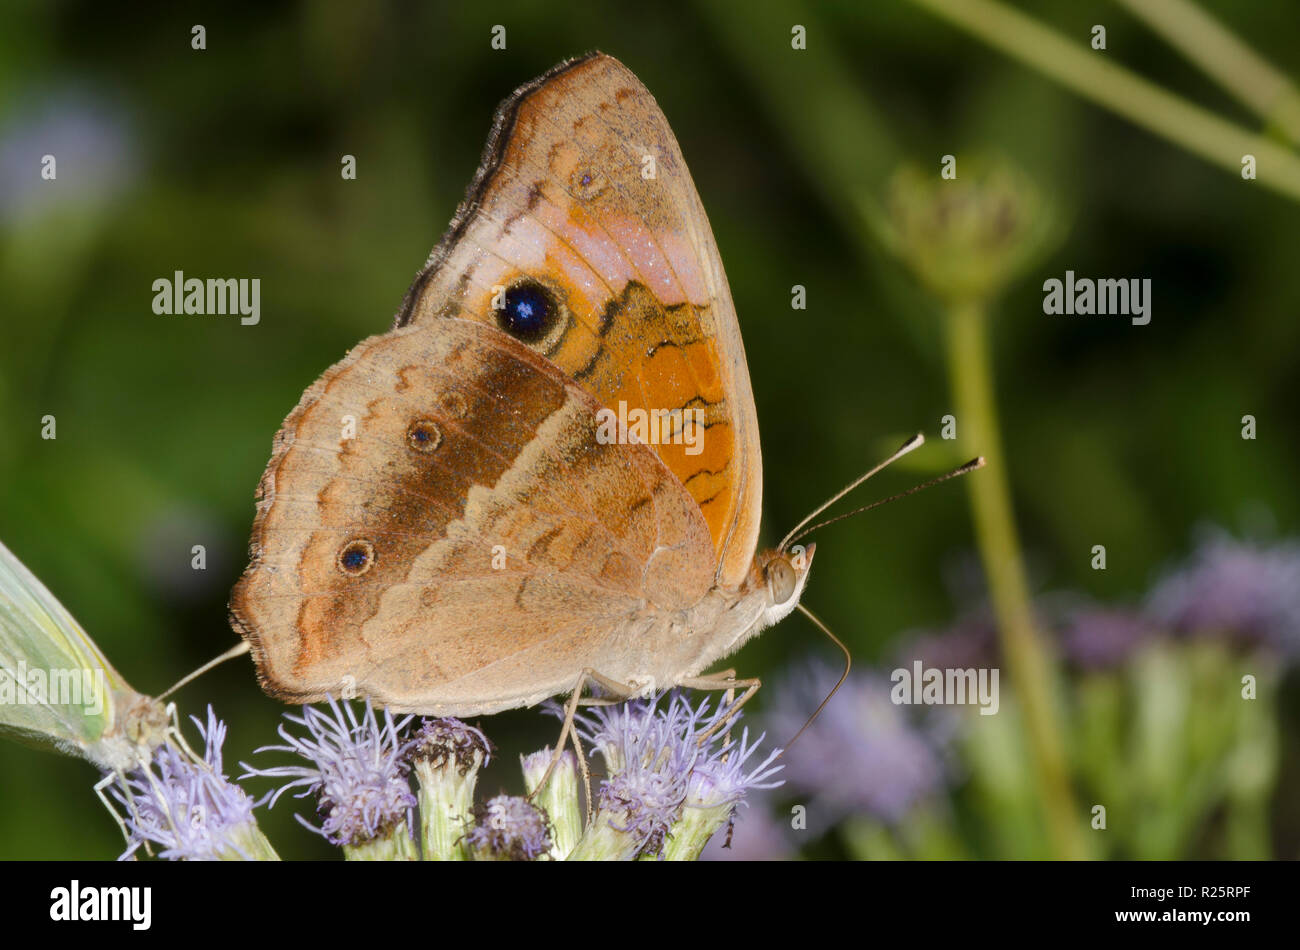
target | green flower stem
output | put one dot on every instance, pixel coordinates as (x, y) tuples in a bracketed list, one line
[(603, 842), (1031, 669), (559, 800), (871, 840), (1092, 75), (693, 830), (446, 799), (254, 844), (1251, 760), (1236, 67), (394, 846)]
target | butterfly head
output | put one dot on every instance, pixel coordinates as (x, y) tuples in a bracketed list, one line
[(784, 574)]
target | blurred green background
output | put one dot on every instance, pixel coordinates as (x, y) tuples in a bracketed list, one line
[(225, 162)]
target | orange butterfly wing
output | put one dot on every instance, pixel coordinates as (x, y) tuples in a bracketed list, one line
[(583, 189), (477, 542)]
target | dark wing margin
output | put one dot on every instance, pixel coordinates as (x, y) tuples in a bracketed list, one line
[(503, 126)]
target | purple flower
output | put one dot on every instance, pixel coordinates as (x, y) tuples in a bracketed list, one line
[(1246, 591), (720, 778), (359, 770), (90, 140), (446, 742), (1097, 638), (189, 807), (649, 801), (658, 767), (649, 759), (971, 642), (509, 828), (610, 730), (863, 754)]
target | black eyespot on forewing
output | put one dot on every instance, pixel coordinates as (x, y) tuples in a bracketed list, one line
[(529, 313), (356, 557), (423, 435)]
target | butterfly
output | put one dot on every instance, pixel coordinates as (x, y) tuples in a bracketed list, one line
[(548, 471), (56, 686)]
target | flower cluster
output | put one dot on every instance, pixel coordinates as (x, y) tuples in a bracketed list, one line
[(863, 754), (1243, 593), (1247, 592), (358, 771), (674, 776), (449, 743), (509, 828), (187, 806)]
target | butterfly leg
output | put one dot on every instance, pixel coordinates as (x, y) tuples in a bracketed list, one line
[(174, 733), (622, 692), (726, 677), (723, 680), (100, 788), (100, 791), (728, 698)]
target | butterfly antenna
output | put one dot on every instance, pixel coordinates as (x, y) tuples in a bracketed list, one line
[(970, 466), (848, 663), (915, 442), (238, 650)]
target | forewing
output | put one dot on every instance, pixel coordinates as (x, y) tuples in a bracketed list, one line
[(583, 188)]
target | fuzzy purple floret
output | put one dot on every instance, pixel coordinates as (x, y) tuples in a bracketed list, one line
[(359, 771)]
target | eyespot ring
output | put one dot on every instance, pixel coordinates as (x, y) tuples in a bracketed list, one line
[(356, 557), (423, 435), (529, 312), (532, 310)]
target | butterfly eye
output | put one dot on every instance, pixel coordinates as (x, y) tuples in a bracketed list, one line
[(780, 580), (423, 435), (529, 311), (357, 557)]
